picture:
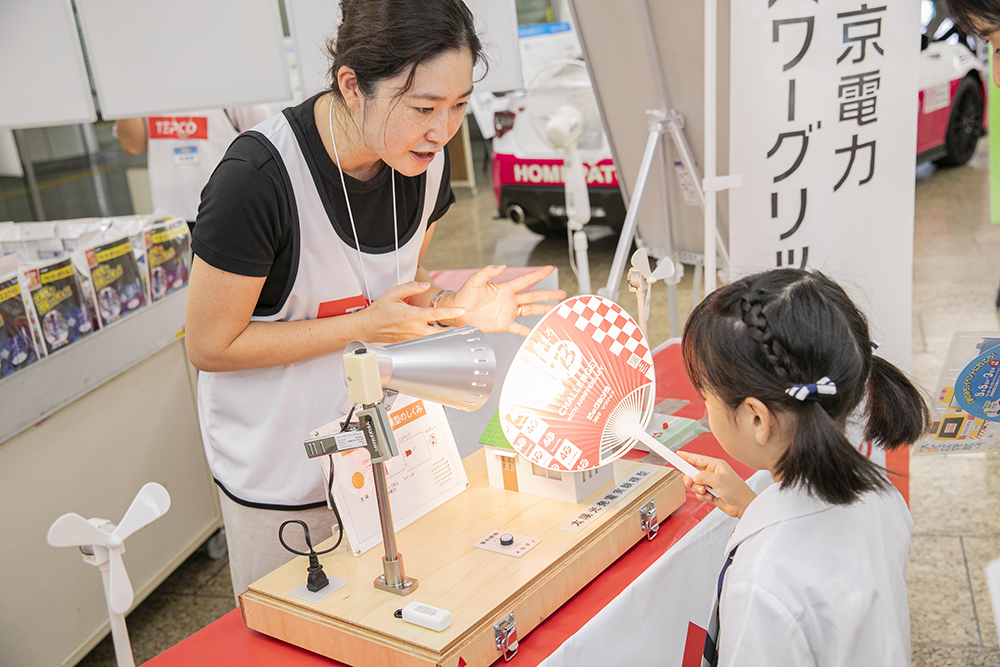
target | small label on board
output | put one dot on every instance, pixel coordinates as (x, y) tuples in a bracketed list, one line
[(608, 500), (520, 546)]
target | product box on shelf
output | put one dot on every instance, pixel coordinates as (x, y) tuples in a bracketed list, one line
[(115, 274), (58, 300), (168, 254), (17, 343)]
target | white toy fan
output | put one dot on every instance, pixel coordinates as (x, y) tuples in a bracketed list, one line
[(563, 110), (102, 544), (640, 279)]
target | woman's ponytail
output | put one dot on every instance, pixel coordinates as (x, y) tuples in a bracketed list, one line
[(896, 413), (823, 460)]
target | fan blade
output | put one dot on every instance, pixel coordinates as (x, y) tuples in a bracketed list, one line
[(120, 593), (664, 269), (150, 503), (640, 262), (72, 530)]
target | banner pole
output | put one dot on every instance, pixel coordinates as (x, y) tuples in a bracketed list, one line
[(993, 102), (711, 195)]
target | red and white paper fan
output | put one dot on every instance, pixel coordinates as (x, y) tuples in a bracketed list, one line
[(580, 382)]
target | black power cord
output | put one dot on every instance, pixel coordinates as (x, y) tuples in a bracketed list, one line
[(317, 578)]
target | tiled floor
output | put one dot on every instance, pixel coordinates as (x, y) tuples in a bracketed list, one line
[(955, 500)]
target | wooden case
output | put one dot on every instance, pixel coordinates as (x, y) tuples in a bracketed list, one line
[(356, 625)]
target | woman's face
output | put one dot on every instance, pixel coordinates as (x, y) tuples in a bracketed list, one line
[(406, 132), (994, 39), (990, 34)]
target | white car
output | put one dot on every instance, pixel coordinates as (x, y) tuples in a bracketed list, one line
[(527, 171), (952, 82)]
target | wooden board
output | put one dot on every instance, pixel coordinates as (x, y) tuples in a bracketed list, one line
[(355, 624)]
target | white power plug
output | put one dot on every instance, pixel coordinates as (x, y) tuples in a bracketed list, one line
[(425, 616)]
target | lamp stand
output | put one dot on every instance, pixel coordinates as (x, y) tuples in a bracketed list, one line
[(374, 423), (393, 578)]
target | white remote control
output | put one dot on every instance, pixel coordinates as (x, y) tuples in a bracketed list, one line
[(426, 616)]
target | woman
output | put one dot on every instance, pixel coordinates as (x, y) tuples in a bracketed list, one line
[(310, 235), (982, 18)]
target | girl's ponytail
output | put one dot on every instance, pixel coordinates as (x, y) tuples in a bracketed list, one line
[(896, 413), (823, 460)]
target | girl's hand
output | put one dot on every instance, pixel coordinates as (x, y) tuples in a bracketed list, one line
[(493, 306), (734, 494), (389, 319)]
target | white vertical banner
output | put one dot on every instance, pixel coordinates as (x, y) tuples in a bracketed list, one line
[(823, 130)]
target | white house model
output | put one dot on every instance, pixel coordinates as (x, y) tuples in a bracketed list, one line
[(509, 470)]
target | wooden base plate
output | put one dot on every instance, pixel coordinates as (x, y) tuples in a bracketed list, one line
[(356, 625)]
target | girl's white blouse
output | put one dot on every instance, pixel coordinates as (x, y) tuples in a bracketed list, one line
[(817, 584)]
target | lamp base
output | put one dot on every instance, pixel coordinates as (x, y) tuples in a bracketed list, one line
[(408, 585), (393, 579)]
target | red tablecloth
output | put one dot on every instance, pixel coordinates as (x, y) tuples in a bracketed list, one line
[(227, 642)]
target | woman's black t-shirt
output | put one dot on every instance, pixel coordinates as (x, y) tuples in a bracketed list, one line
[(245, 222)]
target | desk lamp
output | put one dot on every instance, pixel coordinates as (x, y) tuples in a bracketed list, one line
[(456, 368)]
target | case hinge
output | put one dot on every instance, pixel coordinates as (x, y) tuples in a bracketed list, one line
[(647, 519), (505, 632)]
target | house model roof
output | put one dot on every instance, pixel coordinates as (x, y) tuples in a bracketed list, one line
[(493, 435)]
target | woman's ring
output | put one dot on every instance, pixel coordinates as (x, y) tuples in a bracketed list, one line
[(519, 310)]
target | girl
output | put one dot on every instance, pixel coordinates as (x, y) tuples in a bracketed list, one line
[(311, 234), (816, 565)]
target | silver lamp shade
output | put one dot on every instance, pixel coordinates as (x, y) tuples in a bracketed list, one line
[(456, 367)]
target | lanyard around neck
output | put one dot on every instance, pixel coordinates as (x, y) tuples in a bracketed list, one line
[(350, 214)]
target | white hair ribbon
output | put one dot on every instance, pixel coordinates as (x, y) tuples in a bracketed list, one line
[(803, 391)]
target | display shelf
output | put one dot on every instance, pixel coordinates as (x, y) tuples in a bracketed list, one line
[(39, 391), (83, 429)]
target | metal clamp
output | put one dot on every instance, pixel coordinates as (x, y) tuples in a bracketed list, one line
[(505, 632), (647, 520)]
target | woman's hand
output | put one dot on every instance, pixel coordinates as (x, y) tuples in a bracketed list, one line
[(493, 306), (734, 494), (389, 319)]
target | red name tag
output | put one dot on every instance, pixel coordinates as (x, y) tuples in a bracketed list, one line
[(178, 127), (351, 304)]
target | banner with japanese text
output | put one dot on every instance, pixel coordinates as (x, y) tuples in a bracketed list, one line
[(823, 131)]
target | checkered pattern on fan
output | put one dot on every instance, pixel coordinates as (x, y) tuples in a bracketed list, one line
[(605, 319)]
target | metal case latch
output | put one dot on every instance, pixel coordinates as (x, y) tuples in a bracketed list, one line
[(505, 632), (647, 519)]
